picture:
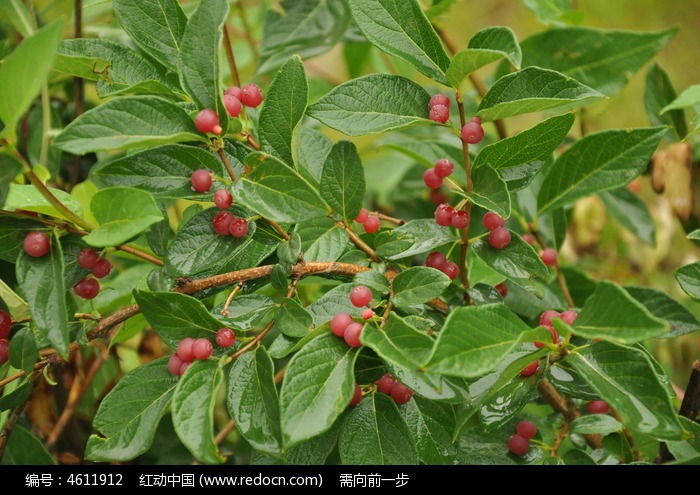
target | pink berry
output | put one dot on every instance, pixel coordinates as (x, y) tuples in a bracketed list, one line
[(174, 365), (225, 337), (352, 334), (476, 119), (87, 288), (437, 197), (569, 316), (207, 121), (502, 289), (444, 168), (443, 215), (183, 367), (400, 393), (460, 219), (451, 270), (36, 244), (439, 113), (432, 179), (472, 132), (251, 95), (526, 429), (547, 317), (371, 225), (367, 314), (87, 258), (518, 445), (360, 296), (339, 323), (439, 99), (549, 257), (222, 221), (238, 227), (385, 383), (597, 407), (233, 105), (493, 220), (201, 180), (362, 216), (553, 333), (223, 199), (202, 349), (356, 396), (529, 239), (5, 324), (436, 260), (499, 238), (4, 351), (102, 268), (529, 369), (234, 91), (184, 349)]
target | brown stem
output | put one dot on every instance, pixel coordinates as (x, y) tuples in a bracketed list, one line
[(225, 431), (12, 378), (9, 426), (582, 122), (387, 218), (280, 374), (248, 31), (278, 228), (227, 163), (236, 289), (387, 313), (109, 322), (561, 280), (565, 407), (358, 241), (140, 254), (55, 202), (255, 341), (228, 48), (561, 435), (251, 140), (464, 233)]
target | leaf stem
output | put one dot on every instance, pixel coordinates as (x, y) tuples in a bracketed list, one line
[(251, 140), (55, 202), (464, 233), (228, 48), (227, 164), (358, 241), (140, 254), (278, 228)]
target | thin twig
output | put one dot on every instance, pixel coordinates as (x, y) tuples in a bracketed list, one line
[(464, 233), (55, 202), (236, 289), (227, 163), (561, 280), (387, 218), (228, 48), (12, 378), (140, 254), (280, 374), (254, 341), (358, 241), (9, 426), (565, 407), (251, 140), (225, 431)]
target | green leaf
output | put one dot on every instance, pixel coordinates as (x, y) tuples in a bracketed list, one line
[(598, 162), (400, 28), (686, 451), (322, 239), (293, 320), (199, 55), (304, 27), (277, 191), (285, 104), (536, 143), (193, 409), (129, 122), (122, 214), (128, 417), (312, 151), (425, 234), (42, 283), (398, 343), (556, 12), (27, 197), (163, 171), (490, 191), (252, 400), (390, 243), (24, 448), (431, 425), (681, 320), (600, 59), (24, 71), (23, 353), (518, 261), (475, 339), (17, 397), (418, 285), (690, 97), (612, 314), (688, 277), (631, 212), (595, 424), (176, 316), (534, 89), (625, 378), (486, 46), (9, 168), (360, 106), (17, 13), (375, 433), (317, 387), (156, 27), (343, 181), (316, 450), (658, 93)]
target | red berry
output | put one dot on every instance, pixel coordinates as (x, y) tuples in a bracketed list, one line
[(362, 216), (439, 113), (87, 288), (451, 270), (553, 333), (518, 445), (184, 349), (549, 257), (476, 119), (207, 121), (499, 238), (472, 132), (529, 369), (502, 289), (183, 367), (234, 91), (233, 105), (529, 239), (4, 351), (223, 199), (225, 337), (547, 317), (352, 334), (436, 260), (432, 179), (238, 227), (36, 244), (367, 314), (360, 296), (87, 258), (460, 219), (526, 429), (357, 396), (443, 215), (400, 393), (597, 407), (5, 324), (439, 99), (493, 220), (251, 95), (444, 168), (222, 221), (174, 365), (339, 323), (102, 268), (202, 349), (201, 180), (385, 383), (437, 197), (569, 316), (371, 225)]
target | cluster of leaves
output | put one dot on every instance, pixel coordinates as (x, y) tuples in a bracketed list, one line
[(288, 381)]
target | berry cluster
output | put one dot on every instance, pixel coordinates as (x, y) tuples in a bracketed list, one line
[(438, 261), (440, 170), (446, 215), (224, 222), (342, 324), (5, 330), (88, 288), (472, 132), (519, 443), (439, 108), (399, 392), (499, 236), (189, 349), (234, 98), (369, 222), (568, 316)]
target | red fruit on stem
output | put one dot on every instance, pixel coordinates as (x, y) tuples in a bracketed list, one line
[(36, 244), (233, 105), (502, 289), (222, 221), (183, 367), (202, 349), (547, 317), (223, 199), (451, 270), (518, 445), (400, 393), (499, 238), (184, 349), (352, 334), (5, 324), (472, 132), (526, 429), (225, 337), (597, 407), (549, 257), (201, 180), (385, 383), (569, 316), (4, 351), (234, 91), (356, 396), (444, 168), (529, 369), (88, 258), (360, 296), (372, 224), (436, 260), (553, 333), (443, 215), (362, 216), (432, 179), (238, 227), (476, 119), (367, 314), (174, 365), (437, 196), (492, 220), (251, 95), (207, 121), (439, 113), (460, 219), (87, 288), (439, 99), (529, 239), (102, 268), (339, 323)]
